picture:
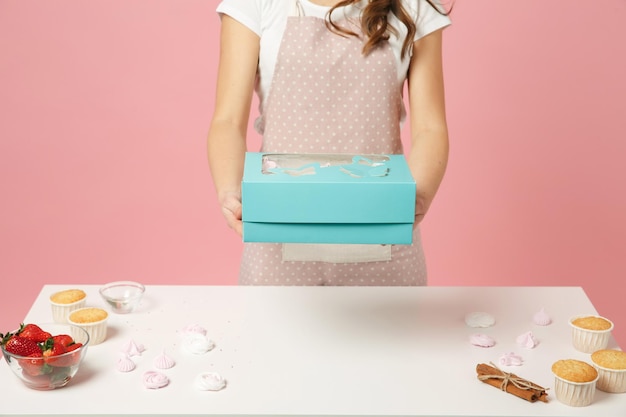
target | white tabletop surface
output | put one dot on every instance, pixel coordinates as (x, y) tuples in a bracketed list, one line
[(319, 351)]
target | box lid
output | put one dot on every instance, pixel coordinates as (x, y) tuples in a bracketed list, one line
[(327, 188)]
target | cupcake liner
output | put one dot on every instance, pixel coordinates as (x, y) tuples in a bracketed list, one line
[(588, 341), (60, 312), (611, 380), (574, 394), (97, 330)]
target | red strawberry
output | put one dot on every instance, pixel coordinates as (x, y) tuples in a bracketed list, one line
[(74, 346), (41, 381), (55, 354), (33, 332), (63, 339), (22, 347), (34, 365), (53, 349), (68, 358)]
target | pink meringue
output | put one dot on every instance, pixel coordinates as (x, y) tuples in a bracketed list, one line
[(527, 340), (131, 348), (155, 380), (511, 359), (541, 318), (194, 328), (125, 364), (163, 361), (482, 340)]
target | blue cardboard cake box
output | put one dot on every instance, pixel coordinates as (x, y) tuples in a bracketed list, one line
[(327, 198)]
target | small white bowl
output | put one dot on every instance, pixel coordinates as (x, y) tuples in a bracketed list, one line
[(122, 296)]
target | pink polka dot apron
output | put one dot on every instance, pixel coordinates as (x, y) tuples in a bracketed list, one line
[(327, 97)]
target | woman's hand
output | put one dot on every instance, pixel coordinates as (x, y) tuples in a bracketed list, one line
[(420, 211), (231, 209)]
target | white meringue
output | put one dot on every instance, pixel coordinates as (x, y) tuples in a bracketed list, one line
[(197, 344), (511, 359), (541, 318), (210, 381), (481, 340), (131, 348), (125, 364), (155, 380), (479, 319), (527, 340), (163, 361)]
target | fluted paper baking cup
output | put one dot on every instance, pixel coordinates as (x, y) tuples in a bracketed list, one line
[(574, 394), (60, 312), (611, 380), (588, 340)]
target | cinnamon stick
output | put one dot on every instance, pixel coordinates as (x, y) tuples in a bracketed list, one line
[(511, 383)]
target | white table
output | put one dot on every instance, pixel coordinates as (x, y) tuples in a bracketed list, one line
[(319, 351)]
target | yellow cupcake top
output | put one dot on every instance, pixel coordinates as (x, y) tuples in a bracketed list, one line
[(574, 370), (88, 315), (592, 323), (68, 296), (610, 358)]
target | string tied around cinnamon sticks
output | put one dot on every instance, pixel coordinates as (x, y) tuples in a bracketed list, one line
[(511, 383)]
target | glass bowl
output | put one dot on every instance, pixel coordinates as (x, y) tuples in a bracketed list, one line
[(122, 296), (48, 373)]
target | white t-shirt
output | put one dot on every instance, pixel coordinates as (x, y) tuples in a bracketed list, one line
[(268, 19)]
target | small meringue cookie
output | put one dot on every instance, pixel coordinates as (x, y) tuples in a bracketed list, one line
[(163, 361), (527, 340), (194, 328), (479, 319), (511, 359), (541, 318), (125, 364), (132, 348), (155, 380), (197, 344), (481, 340), (210, 381), (269, 164)]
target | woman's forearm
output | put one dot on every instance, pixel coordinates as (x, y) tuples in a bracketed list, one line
[(226, 142), (428, 160), (226, 149)]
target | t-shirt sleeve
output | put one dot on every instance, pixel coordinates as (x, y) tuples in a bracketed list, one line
[(246, 12), (427, 18)]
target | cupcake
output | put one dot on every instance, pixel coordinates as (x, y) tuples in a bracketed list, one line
[(66, 301), (590, 333), (611, 366), (574, 382), (93, 320)]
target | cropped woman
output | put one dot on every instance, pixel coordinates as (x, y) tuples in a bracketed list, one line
[(330, 77)]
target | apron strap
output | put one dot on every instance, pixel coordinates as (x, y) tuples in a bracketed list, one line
[(296, 9)]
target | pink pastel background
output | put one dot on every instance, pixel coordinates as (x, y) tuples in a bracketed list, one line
[(104, 110)]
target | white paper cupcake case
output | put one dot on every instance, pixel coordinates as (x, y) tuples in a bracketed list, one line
[(97, 331), (588, 341), (611, 380), (60, 312), (574, 394)]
